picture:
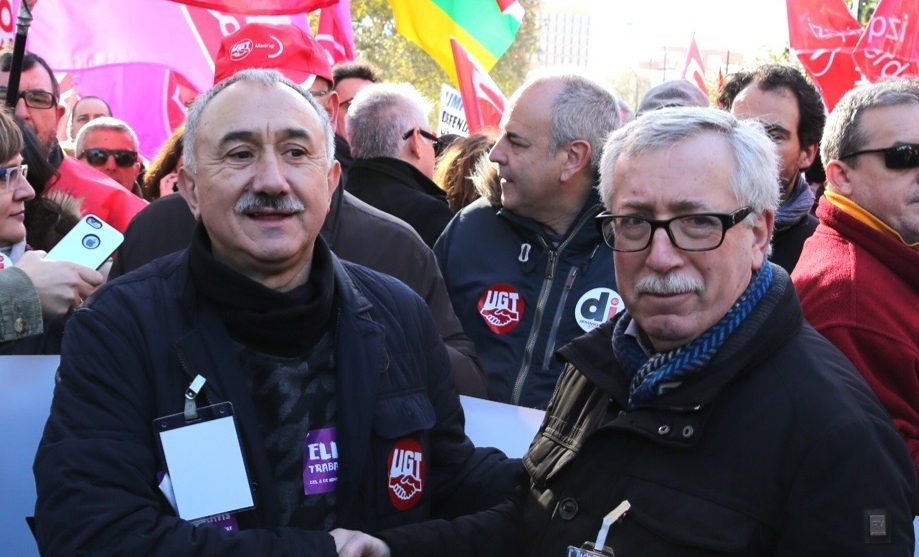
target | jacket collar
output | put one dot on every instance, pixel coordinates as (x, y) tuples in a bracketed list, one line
[(581, 234), (399, 170), (772, 322)]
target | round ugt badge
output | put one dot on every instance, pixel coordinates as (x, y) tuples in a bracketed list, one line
[(597, 306), (501, 306), (406, 474)]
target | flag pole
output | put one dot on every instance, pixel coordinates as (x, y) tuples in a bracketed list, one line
[(19, 51)]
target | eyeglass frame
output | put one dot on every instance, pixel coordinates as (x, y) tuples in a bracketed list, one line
[(887, 151), (109, 153), (24, 171), (728, 221), (435, 141), (23, 95)]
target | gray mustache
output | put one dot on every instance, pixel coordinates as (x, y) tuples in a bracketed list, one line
[(668, 285), (260, 201)]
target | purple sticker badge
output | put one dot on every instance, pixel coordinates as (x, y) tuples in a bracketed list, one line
[(320, 461)]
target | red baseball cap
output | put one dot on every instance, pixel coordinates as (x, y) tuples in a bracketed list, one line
[(286, 48)]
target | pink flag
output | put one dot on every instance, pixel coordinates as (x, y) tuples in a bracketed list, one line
[(694, 69), (889, 46), (483, 102), (335, 32), (260, 7), (823, 34), (135, 65)]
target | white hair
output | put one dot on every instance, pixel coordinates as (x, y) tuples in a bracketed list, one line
[(262, 76), (755, 180), (380, 115), (104, 123)]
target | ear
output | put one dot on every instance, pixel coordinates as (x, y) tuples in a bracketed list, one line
[(577, 158), (188, 189), (61, 110), (762, 236), (333, 177), (807, 156), (839, 176), (332, 109), (416, 144)]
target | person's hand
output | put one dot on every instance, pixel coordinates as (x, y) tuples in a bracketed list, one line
[(61, 285), (350, 543), (168, 184)]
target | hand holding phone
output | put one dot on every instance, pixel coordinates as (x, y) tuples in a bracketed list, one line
[(90, 243)]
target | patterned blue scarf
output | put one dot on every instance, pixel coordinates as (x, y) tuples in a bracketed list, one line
[(651, 374)]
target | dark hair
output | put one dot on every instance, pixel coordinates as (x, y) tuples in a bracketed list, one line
[(41, 172), (770, 77), (29, 62), (457, 164), (356, 70), (165, 162)]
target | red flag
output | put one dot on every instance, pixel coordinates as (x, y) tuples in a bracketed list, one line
[(694, 69), (259, 7), (823, 34), (889, 47), (511, 8), (483, 102), (335, 32)]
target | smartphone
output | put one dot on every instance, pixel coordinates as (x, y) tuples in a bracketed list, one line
[(90, 243)]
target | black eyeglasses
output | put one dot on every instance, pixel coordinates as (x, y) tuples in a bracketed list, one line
[(436, 141), (35, 98), (98, 157), (895, 158), (698, 232)]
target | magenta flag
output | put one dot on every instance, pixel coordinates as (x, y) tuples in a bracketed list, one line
[(335, 32), (260, 7), (134, 54)]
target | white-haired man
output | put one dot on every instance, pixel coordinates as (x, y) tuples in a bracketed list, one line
[(394, 150), (725, 420), (335, 376), (531, 273), (110, 145)]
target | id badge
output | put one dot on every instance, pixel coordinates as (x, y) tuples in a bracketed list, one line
[(205, 462), (588, 550)]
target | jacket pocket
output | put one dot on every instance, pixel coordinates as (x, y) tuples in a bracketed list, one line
[(685, 519), (399, 416)]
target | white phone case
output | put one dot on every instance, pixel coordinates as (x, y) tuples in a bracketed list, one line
[(90, 243)]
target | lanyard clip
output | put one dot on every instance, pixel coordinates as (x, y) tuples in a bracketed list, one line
[(191, 409)]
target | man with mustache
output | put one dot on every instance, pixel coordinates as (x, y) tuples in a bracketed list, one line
[(725, 420), (343, 410)]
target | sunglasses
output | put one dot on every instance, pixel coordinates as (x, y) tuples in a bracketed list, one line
[(428, 135), (98, 157), (35, 98), (895, 158)]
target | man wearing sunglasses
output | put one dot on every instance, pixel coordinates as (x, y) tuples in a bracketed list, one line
[(790, 108), (858, 277), (394, 153), (38, 108), (110, 145)]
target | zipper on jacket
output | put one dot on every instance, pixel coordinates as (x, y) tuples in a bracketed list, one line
[(191, 377), (559, 313), (540, 306)]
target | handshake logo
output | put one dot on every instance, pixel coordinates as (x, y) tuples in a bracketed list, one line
[(406, 474), (501, 306)]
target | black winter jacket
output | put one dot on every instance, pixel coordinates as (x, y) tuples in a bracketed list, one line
[(129, 355), (520, 297), (777, 448)]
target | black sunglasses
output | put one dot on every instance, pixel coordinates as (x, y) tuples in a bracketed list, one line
[(434, 139), (35, 98), (98, 157), (895, 158)]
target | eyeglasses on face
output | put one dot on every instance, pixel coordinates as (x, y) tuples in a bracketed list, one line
[(696, 232), (11, 176), (898, 157), (35, 98), (436, 141), (98, 157)]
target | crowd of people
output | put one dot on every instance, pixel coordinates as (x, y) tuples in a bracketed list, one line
[(717, 337)]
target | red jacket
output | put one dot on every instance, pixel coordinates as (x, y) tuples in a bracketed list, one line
[(860, 289), (101, 195)]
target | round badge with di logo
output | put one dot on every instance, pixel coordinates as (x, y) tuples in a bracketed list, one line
[(596, 307), (406, 474)]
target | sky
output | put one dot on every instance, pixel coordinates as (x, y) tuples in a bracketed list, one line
[(629, 31)]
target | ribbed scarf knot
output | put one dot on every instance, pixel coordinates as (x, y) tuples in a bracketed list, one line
[(650, 373)]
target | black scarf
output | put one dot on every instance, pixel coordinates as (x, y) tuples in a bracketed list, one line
[(286, 324)]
